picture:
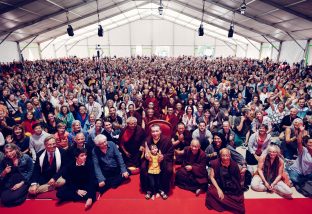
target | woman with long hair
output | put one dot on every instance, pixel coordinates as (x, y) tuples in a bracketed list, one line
[(29, 122), (66, 117), (19, 138), (258, 142), (269, 173), (189, 119), (122, 112), (52, 123), (15, 173)]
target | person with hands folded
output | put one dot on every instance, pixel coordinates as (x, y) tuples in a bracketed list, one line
[(269, 173)]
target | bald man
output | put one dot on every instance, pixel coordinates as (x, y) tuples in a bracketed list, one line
[(79, 143), (225, 193), (193, 174)]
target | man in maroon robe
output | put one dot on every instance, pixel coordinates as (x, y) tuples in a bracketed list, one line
[(180, 139), (165, 159), (192, 175), (171, 117), (225, 193), (133, 113), (131, 142)]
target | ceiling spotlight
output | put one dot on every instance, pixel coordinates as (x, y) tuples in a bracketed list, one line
[(243, 8), (201, 30), (70, 30), (161, 9), (231, 31), (100, 31)]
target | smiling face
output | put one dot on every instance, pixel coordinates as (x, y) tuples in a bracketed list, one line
[(17, 131), (155, 132), (217, 141), (76, 127), (50, 145), (272, 153), (195, 147), (80, 140), (108, 126), (102, 144), (202, 126), (225, 156), (81, 159), (10, 153), (38, 130)]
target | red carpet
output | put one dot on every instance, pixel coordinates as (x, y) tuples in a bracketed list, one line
[(127, 199)]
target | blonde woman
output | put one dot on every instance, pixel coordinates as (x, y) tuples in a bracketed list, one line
[(269, 173)]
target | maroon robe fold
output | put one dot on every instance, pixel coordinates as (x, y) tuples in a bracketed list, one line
[(197, 178), (229, 183), (132, 145)]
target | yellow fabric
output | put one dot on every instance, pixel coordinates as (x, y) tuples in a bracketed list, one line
[(153, 166)]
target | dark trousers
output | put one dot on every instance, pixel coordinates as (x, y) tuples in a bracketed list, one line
[(11, 198), (250, 159), (153, 183), (165, 176), (113, 179), (68, 193), (289, 150), (186, 180)]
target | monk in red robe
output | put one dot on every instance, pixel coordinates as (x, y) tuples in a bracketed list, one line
[(165, 159), (225, 193), (192, 175), (131, 142)]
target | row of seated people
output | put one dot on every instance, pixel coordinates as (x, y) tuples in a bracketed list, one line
[(156, 168)]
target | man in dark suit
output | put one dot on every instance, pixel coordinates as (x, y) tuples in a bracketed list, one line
[(48, 168)]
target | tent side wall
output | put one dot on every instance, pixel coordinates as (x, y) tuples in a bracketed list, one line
[(9, 52)]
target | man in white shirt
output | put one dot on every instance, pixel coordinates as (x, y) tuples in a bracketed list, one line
[(94, 107)]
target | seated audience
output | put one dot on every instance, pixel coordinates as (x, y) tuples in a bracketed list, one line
[(20, 139), (36, 143), (289, 143), (203, 135), (301, 170), (258, 142)]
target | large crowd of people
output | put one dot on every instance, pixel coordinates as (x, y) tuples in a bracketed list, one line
[(82, 126)]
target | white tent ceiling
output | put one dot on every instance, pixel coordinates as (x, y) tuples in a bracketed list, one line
[(43, 20)]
